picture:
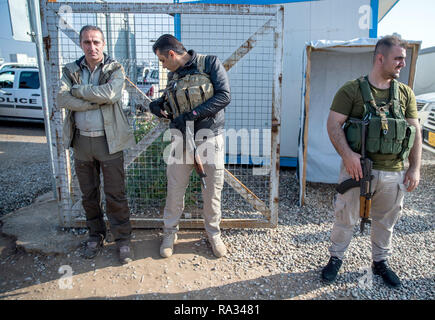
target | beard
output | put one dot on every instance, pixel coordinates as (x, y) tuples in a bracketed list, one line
[(395, 75), (392, 74)]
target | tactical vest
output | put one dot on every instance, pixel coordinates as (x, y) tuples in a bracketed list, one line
[(186, 93), (388, 131)]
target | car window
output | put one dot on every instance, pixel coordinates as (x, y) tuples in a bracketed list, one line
[(155, 74), (29, 80), (7, 79)]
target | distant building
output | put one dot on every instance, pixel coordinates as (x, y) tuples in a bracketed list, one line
[(424, 77), (12, 49)]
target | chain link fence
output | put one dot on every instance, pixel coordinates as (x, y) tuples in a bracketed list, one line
[(248, 41)]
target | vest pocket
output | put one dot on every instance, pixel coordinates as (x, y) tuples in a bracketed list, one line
[(400, 135), (408, 142), (195, 96), (353, 136), (183, 102), (387, 140), (374, 135), (207, 89), (401, 129)]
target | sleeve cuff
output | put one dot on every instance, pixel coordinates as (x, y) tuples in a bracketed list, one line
[(192, 115)]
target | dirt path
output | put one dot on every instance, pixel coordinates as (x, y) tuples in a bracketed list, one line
[(194, 273), (191, 273)]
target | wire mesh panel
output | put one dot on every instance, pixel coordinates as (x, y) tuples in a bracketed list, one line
[(247, 40)]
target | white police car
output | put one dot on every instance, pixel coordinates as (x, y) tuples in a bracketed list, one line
[(20, 94), (148, 81)]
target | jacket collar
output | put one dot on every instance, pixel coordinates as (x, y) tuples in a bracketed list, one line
[(189, 64), (107, 59), (192, 60)]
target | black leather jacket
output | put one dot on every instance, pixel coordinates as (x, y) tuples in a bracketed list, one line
[(210, 114)]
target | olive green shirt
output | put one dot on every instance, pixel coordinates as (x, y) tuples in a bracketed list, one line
[(349, 101)]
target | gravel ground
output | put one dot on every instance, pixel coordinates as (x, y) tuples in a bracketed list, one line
[(25, 171), (299, 246), (290, 257)]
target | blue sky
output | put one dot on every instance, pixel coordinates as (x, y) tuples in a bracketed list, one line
[(413, 20)]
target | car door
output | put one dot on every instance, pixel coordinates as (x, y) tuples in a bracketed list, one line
[(7, 101), (28, 95)]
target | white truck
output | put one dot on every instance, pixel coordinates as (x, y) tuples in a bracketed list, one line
[(20, 94)]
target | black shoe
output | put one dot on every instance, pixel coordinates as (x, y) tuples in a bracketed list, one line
[(382, 269), (329, 273), (92, 248)]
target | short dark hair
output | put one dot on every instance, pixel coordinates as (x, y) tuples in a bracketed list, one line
[(168, 42), (384, 45), (89, 28)]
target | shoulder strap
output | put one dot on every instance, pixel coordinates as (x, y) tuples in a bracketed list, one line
[(174, 76), (394, 100), (365, 89), (201, 62), (366, 94), (394, 90)]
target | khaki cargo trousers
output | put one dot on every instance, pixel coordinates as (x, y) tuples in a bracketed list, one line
[(178, 175), (91, 155), (388, 193)]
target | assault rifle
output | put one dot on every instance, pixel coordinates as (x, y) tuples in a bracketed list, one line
[(365, 183), (199, 168)]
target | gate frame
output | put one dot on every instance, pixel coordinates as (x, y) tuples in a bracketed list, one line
[(49, 16)]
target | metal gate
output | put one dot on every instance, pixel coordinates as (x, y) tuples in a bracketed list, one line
[(246, 38)]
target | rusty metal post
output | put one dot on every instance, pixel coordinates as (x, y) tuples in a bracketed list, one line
[(37, 38), (276, 118)]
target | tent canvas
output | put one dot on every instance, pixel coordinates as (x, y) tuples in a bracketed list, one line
[(327, 66)]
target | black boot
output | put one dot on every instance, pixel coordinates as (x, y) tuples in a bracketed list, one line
[(382, 269), (93, 247), (329, 273)]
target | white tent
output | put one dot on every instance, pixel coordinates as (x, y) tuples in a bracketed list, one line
[(424, 79), (327, 66)]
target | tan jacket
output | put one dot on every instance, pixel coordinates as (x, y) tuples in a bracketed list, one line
[(74, 96)]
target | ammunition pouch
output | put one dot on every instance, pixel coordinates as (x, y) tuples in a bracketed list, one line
[(408, 142), (397, 141), (399, 137), (389, 143), (352, 130)]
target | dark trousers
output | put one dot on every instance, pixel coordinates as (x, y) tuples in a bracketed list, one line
[(91, 156)]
